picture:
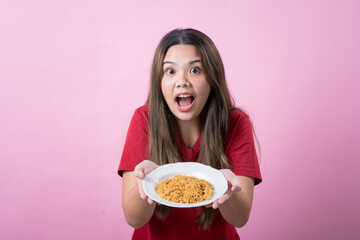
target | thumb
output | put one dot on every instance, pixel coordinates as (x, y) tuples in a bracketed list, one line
[(139, 173), (235, 185)]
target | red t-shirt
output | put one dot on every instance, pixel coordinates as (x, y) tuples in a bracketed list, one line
[(181, 222)]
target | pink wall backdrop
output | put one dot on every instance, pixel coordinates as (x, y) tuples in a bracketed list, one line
[(72, 73)]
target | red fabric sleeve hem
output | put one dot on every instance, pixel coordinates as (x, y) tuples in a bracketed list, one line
[(120, 172), (249, 173)]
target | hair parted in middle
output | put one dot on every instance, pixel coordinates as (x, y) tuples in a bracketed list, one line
[(214, 117)]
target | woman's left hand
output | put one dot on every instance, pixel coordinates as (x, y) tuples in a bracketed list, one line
[(233, 186)]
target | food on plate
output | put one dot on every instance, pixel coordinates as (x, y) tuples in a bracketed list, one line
[(184, 189)]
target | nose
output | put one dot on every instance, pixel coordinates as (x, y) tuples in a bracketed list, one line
[(182, 81)]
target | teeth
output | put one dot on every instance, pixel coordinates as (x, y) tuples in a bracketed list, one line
[(184, 95)]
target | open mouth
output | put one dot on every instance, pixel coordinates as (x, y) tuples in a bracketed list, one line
[(185, 102)]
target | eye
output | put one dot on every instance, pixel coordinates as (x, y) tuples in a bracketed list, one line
[(170, 71), (195, 70)]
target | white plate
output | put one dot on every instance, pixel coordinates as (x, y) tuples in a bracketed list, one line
[(212, 175)]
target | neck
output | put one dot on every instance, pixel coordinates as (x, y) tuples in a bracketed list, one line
[(190, 131)]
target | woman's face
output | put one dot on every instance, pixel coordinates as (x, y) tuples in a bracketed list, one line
[(184, 85)]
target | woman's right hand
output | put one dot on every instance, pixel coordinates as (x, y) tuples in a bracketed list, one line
[(140, 171)]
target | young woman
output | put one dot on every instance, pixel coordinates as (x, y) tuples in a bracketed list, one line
[(189, 116)]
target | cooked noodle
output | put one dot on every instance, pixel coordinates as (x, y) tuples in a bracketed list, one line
[(184, 189)]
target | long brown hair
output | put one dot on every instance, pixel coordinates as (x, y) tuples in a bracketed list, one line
[(214, 117)]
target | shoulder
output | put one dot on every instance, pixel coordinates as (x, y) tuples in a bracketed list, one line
[(237, 115), (140, 117), (141, 113), (143, 110), (239, 124)]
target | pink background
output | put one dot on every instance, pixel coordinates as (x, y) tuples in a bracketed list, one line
[(73, 72)]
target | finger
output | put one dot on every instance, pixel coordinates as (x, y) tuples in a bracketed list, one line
[(235, 188), (139, 170), (208, 205), (141, 190), (227, 174), (142, 194), (215, 204), (139, 174), (224, 198), (149, 167), (235, 185), (151, 201)]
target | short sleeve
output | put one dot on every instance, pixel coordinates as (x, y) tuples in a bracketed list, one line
[(136, 143), (240, 147)]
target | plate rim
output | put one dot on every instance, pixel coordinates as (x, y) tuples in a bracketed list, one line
[(202, 166)]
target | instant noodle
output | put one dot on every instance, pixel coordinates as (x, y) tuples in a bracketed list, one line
[(184, 189)]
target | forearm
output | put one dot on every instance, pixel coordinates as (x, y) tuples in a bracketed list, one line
[(236, 210), (137, 211)]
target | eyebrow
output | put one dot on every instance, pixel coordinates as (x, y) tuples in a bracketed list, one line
[(190, 63), (194, 61), (168, 62)]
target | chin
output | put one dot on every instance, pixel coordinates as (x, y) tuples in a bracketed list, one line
[(187, 118)]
